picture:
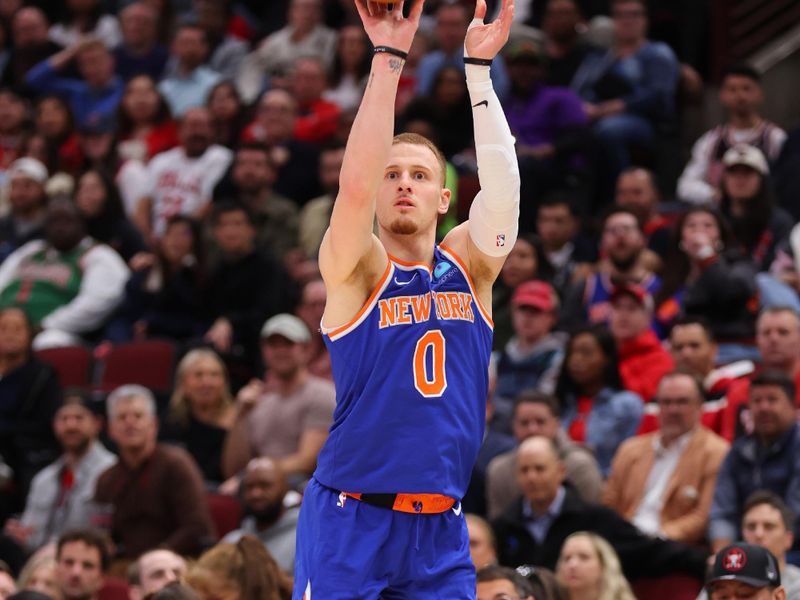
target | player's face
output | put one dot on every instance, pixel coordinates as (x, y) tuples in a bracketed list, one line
[(736, 590), (411, 196), (763, 525), (692, 350)]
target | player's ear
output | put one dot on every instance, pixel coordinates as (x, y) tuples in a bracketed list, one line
[(444, 201)]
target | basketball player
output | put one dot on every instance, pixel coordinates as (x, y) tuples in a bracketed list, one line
[(410, 333)]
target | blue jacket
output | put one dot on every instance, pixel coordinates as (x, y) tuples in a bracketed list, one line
[(749, 467), (651, 75), (85, 101), (614, 417)]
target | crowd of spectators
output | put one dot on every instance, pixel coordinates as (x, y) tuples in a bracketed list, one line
[(167, 172)]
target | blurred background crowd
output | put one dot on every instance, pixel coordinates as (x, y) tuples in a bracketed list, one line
[(167, 172)]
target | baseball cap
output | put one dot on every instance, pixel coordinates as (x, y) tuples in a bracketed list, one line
[(749, 156), (636, 292), (28, 167), (537, 294), (748, 563), (288, 326)]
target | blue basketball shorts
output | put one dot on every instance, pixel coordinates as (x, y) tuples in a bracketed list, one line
[(351, 550)]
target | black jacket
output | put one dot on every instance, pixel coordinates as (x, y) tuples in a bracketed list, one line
[(640, 554)]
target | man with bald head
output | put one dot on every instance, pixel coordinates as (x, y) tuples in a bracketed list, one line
[(153, 571), (534, 528), (267, 516), (181, 180), (31, 45)]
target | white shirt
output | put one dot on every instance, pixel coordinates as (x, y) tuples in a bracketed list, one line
[(179, 185), (648, 515)]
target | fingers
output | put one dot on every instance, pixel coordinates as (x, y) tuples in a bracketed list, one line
[(362, 10), (480, 9), (416, 11), (506, 13)]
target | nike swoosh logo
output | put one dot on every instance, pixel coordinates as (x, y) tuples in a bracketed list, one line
[(482, 102), (457, 510), (405, 282)]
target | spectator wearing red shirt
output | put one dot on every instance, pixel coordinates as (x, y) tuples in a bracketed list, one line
[(317, 118), (642, 358), (778, 341)]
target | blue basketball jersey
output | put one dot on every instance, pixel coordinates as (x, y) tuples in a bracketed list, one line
[(411, 384)]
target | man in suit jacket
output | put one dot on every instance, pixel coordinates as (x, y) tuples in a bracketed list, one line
[(663, 482)]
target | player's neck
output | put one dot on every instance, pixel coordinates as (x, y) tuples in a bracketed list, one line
[(409, 248)]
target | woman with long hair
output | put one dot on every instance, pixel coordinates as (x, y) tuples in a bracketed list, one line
[(201, 410), (350, 68), (99, 203), (707, 278), (241, 571), (39, 575), (747, 203), (53, 119), (228, 113), (145, 123), (595, 409), (164, 295), (589, 569)]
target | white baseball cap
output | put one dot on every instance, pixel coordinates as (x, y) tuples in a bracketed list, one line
[(28, 167), (749, 156), (288, 326)]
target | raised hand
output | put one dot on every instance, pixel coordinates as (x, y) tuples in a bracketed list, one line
[(485, 41), (387, 27)]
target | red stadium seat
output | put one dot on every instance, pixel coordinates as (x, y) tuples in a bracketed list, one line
[(73, 364), (226, 512), (672, 587), (147, 363)]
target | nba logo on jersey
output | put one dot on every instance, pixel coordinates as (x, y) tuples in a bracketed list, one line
[(342, 499), (501, 240)]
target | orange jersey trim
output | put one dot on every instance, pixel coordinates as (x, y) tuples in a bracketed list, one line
[(417, 504), (405, 263), (336, 332), (484, 313)]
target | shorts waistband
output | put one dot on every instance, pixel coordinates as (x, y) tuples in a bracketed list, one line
[(407, 503)]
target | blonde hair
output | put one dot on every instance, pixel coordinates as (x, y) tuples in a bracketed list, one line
[(613, 585), (179, 403), (420, 140), (245, 566), (36, 562)]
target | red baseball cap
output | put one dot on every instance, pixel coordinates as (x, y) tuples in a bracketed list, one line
[(537, 294), (636, 292)]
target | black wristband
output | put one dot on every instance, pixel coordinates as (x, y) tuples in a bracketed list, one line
[(484, 62), (390, 50)]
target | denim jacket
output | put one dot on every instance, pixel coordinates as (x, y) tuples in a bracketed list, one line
[(614, 417)]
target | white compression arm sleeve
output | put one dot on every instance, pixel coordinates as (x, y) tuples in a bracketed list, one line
[(494, 214)]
